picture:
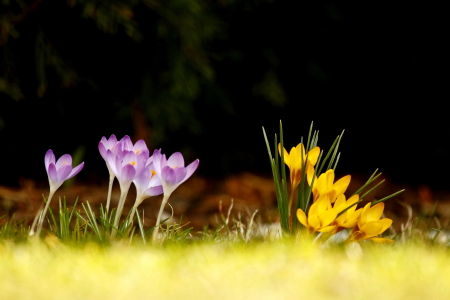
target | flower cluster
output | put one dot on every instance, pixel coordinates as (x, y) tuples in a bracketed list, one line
[(130, 163), (315, 200), (331, 212), (152, 175)]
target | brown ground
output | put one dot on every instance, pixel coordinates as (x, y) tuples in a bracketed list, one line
[(200, 200)]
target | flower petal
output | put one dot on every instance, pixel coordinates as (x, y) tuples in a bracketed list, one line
[(102, 149), (66, 159), (301, 216), (180, 174), (140, 146), (386, 224), (51, 172), (168, 175), (375, 212), (76, 170), (127, 143), (327, 217), (313, 155), (141, 181), (49, 158), (191, 169), (372, 228), (176, 160), (327, 228), (127, 174), (64, 172), (154, 191)]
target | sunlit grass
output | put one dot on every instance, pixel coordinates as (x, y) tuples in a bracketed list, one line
[(275, 270)]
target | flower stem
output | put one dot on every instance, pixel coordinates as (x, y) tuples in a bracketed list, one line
[(161, 210), (42, 215), (111, 181), (123, 196)]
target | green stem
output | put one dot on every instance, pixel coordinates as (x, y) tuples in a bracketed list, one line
[(42, 215), (158, 220), (108, 200)]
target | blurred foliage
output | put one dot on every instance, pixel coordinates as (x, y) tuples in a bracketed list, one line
[(183, 42)]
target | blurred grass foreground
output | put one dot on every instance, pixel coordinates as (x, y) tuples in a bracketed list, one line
[(284, 270)]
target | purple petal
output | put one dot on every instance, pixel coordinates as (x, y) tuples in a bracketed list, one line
[(141, 181), (64, 172), (129, 158), (102, 149), (155, 181), (139, 146), (180, 174), (176, 160), (154, 191), (191, 168), (49, 158), (168, 175), (52, 174), (112, 140), (66, 159), (111, 161), (127, 143), (76, 170), (127, 174), (157, 156)]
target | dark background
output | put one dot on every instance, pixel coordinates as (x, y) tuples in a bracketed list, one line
[(203, 77)]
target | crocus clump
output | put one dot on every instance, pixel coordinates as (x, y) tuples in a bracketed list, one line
[(172, 173), (58, 172)]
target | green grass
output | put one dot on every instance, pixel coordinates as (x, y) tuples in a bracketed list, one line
[(280, 269)]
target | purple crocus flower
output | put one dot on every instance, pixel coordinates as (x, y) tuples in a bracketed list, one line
[(136, 148), (112, 145), (147, 185), (61, 170), (57, 172), (125, 169), (172, 171), (116, 148)]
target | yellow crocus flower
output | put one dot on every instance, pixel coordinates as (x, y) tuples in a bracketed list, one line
[(320, 216), (325, 185), (350, 217), (369, 225), (295, 159)]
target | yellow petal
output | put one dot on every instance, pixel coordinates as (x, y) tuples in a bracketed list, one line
[(375, 212), (329, 179), (364, 212), (313, 155), (286, 155), (340, 186), (349, 224), (353, 199), (386, 224), (327, 217), (372, 228), (313, 209), (340, 202), (309, 173), (301, 216), (327, 228), (313, 222), (381, 240)]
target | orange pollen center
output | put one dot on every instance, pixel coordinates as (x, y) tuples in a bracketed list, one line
[(64, 163), (137, 151), (133, 163), (175, 167), (153, 172)]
